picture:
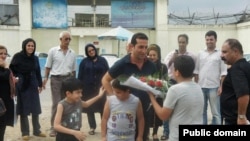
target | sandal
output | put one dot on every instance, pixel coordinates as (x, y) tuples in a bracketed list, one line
[(92, 132), (52, 133), (164, 137)]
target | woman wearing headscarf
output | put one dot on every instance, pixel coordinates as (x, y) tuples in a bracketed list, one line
[(154, 54), (91, 70), (7, 92), (25, 66)]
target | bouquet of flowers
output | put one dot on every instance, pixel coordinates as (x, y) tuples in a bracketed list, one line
[(146, 83)]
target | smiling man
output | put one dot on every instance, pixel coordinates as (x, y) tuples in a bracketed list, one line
[(209, 73), (135, 62)]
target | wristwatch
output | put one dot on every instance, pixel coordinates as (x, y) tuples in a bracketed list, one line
[(241, 116)]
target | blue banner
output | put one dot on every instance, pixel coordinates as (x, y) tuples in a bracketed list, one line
[(49, 13), (133, 13)]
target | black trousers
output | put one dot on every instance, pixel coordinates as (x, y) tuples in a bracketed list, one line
[(2, 131), (65, 137), (92, 120), (24, 122)]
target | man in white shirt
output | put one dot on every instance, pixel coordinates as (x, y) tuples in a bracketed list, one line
[(210, 72), (182, 50), (60, 64)]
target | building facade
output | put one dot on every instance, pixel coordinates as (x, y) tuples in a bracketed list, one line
[(86, 31)]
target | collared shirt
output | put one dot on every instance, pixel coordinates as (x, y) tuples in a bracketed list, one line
[(235, 85), (124, 66), (210, 68), (171, 67), (60, 63)]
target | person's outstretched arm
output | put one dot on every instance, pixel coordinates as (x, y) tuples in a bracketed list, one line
[(86, 104), (162, 112)]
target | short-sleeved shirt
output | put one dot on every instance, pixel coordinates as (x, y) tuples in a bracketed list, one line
[(235, 85), (60, 63), (124, 66), (187, 101), (210, 68)]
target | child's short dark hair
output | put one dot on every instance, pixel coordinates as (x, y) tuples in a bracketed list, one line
[(185, 65), (116, 84), (71, 84)]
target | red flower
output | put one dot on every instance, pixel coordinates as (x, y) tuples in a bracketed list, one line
[(151, 83), (161, 86), (158, 84), (154, 82), (143, 79)]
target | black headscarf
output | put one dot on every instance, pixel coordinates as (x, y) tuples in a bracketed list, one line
[(24, 64), (87, 54)]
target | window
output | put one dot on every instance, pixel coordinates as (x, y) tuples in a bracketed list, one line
[(9, 13)]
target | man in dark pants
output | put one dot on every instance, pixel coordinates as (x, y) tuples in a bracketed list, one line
[(235, 105), (134, 63)]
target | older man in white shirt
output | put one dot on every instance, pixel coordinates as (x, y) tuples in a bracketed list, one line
[(60, 64)]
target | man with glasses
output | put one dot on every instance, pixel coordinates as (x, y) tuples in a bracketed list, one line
[(60, 64)]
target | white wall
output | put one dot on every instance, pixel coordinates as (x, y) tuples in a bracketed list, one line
[(196, 35), (163, 35), (243, 32), (46, 38)]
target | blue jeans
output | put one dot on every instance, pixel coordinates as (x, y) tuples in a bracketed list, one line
[(166, 128), (211, 95)]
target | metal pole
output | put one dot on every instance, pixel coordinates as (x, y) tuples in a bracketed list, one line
[(94, 13), (118, 48)]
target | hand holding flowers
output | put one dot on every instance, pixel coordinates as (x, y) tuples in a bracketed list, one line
[(146, 83)]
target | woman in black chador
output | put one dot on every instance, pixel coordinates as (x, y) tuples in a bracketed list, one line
[(25, 66)]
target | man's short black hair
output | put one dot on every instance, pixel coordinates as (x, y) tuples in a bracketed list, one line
[(71, 84), (184, 36), (235, 44), (211, 33), (185, 65), (138, 35)]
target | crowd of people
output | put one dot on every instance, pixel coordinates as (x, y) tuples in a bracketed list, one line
[(220, 76)]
